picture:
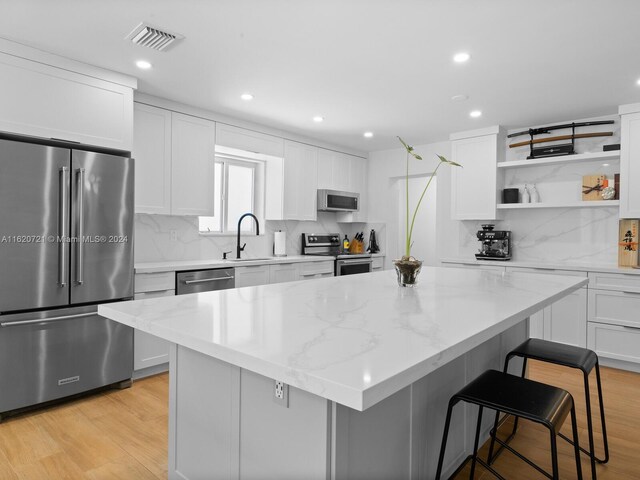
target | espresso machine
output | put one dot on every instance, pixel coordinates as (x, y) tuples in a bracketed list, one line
[(495, 244)]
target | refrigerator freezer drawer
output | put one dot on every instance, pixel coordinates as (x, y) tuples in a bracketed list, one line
[(68, 352)]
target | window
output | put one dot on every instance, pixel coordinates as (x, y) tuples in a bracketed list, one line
[(236, 186)]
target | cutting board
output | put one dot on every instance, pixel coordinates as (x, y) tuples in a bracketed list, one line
[(628, 243)]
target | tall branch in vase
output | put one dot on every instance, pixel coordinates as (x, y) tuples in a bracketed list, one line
[(409, 226)]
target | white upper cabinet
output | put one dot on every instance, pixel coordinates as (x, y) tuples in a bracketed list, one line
[(152, 154), (630, 161), (358, 178), (295, 183), (474, 188), (193, 149), (45, 101), (175, 157), (334, 170), (249, 140)]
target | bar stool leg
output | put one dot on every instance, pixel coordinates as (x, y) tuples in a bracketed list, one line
[(602, 421), (491, 457), (474, 459), (592, 451), (447, 422), (554, 455), (574, 428)]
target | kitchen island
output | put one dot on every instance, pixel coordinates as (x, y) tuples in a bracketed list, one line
[(368, 369)]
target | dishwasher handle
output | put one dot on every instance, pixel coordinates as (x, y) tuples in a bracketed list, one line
[(207, 280)]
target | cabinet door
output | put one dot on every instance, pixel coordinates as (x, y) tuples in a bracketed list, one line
[(49, 102), (300, 181), (334, 170), (630, 166), (536, 324), (615, 342), (152, 154), (149, 350), (358, 179), (566, 320), (252, 276), (284, 272), (474, 187), (193, 145)]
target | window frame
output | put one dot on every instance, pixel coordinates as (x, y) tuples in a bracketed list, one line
[(258, 169)]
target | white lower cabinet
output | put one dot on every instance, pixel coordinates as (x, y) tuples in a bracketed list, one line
[(311, 270), (615, 342), (377, 264), (149, 350), (283, 272), (253, 275), (564, 321), (614, 324)]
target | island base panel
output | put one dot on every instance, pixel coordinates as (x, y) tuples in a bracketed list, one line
[(224, 423)]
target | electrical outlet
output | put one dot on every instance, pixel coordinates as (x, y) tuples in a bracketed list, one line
[(174, 235), (281, 393)]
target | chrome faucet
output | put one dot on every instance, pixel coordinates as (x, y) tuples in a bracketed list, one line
[(238, 247)]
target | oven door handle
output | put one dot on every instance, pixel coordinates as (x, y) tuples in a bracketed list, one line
[(354, 261)]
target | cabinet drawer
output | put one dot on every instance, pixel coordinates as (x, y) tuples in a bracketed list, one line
[(153, 282), (617, 308), (377, 263), (479, 266), (547, 271), (615, 281), (615, 342), (316, 276), (308, 269)]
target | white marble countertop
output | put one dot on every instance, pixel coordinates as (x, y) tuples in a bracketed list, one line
[(579, 267), (177, 265), (355, 339)]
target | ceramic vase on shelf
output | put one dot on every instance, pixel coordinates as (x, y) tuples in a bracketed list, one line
[(407, 271)]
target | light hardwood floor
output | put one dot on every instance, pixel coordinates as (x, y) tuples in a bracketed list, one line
[(121, 434)]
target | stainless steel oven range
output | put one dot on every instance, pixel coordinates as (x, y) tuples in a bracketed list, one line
[(329, 244)]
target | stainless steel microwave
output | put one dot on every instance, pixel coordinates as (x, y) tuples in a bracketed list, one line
[(335, 201)]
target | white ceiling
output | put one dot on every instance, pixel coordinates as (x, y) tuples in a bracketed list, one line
[(379, 65)]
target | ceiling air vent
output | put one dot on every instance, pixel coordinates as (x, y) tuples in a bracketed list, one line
[(146, 35)]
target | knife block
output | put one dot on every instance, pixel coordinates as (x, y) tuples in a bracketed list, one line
[(356, 246)]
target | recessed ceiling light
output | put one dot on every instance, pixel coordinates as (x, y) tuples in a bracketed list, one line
[(459, 98), (318, 119), (638, 82), (461, 57), (605, 164), (143, 64), (368, 134), (475, 114), (246, 97)]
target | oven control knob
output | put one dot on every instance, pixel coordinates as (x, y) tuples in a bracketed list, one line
[(334, 239), (312, 239)]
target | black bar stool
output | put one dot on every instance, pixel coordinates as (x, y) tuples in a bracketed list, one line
[(513, 395), (568, 356)]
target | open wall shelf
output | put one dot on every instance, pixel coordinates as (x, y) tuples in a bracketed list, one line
[(579, 204), (580, 157)]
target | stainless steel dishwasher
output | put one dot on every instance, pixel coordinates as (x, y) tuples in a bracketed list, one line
[(205, 280)]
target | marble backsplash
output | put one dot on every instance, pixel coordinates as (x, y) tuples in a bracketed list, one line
[(566, 235), (154, 241)]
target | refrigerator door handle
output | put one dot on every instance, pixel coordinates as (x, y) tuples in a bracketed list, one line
[(47, 320), (62, 225), (80, 236)]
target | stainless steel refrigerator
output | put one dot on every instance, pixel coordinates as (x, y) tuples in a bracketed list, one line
[(66, 226)]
